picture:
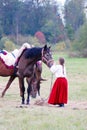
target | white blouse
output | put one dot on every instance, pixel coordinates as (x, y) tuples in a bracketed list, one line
[(58, 70)]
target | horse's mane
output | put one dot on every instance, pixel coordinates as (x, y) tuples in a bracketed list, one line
[(33, 52)]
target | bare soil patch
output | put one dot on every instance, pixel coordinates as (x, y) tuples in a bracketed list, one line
[(75, 105), (71, 105)]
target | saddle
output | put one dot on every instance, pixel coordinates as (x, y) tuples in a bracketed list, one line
[(10, 58), (3, 52)]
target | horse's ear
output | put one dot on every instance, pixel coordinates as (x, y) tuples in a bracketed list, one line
[(49, 47), (45, 47)]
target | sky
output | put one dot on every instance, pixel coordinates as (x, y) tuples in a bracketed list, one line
[(61, 1)]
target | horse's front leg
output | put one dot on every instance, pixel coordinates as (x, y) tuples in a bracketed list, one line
[(8, 85), (28, 94), (38, 88), (22, 89)]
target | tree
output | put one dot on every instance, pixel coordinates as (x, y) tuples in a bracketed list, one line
[(27, 17), (74, 16), (41, 37), (53, 24), (80, 42)]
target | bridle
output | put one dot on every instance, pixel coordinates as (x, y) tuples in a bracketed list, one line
[(45, 60)]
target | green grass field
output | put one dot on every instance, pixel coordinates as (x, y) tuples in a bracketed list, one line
[(36, 117)]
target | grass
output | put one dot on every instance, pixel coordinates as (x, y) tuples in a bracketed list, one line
[(34, 117)]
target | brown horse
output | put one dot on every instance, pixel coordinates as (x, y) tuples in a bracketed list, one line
[(34, 81), (6, 70), (26, 65)]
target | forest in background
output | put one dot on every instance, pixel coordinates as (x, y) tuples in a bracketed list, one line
[(44, 21)]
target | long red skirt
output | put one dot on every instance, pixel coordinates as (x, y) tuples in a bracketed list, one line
[(59, 92)]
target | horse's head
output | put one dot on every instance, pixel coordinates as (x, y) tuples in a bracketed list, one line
[(47, 56)]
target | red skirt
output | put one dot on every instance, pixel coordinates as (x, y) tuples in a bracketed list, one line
[(59, 92)]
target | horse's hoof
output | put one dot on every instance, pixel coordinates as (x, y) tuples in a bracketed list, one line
[(23, 103), (21, 94), (27, 103), (2, 95)]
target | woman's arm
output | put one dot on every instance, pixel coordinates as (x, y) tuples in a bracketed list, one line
[(53, 68)]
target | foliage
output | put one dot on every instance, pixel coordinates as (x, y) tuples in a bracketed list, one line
[(59, 47), (74, 54), (41, 37), (24, 38), (34, 41), (2, 42), (70, 32), (27, 17), (6, 44), (1, 31), (80, 42), (9, 45), (23, 18), (74, 16)]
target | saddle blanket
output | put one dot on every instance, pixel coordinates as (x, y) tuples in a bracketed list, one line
[(10, 58)]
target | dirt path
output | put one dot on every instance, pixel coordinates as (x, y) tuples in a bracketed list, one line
[(75, 105), (72, 104), (42, 102)]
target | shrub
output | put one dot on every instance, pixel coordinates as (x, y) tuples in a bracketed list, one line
[(9, 45), (22, 39), (2, 42), (33, 41), (84, 53), (60, 46), (80, 42), (6, 44), (74, 54), (41, 37)]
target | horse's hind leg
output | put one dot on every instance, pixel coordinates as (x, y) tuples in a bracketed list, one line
[(8, 85), (22, 89)]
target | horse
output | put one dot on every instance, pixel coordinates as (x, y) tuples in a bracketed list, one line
[(7, 64), (34, 81), (26, 66)]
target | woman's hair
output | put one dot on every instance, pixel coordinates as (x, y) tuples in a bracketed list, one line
[(61, 60)]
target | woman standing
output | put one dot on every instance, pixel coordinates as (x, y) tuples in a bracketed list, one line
[(59, 92)]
